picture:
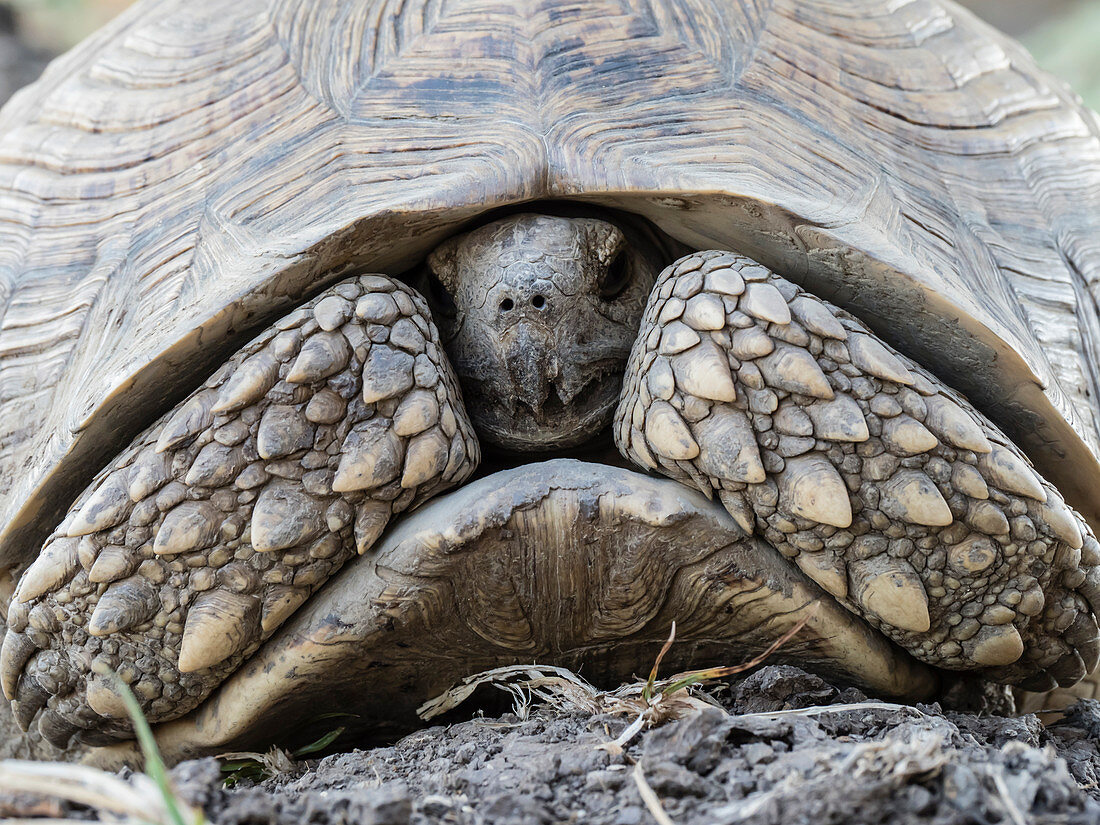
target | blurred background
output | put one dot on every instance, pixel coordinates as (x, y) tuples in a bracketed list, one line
[(1064, 35)]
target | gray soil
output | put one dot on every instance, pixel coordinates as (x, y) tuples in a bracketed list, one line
[(746, 762)]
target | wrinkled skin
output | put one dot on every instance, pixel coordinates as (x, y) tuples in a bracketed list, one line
[(538, 315)]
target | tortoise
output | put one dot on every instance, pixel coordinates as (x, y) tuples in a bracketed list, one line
[(278, 274)]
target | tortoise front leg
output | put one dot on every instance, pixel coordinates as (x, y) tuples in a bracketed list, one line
[(885, 486), (222, 518)]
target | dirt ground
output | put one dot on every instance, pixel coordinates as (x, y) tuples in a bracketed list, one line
[(759, 758)]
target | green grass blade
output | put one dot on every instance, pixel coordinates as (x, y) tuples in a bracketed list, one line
[(154, 765), (647, 691), (318, 745)]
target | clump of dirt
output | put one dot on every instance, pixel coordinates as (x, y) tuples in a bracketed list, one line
[(785, 746)]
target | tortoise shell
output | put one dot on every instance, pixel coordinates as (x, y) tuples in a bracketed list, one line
[(194, 169)]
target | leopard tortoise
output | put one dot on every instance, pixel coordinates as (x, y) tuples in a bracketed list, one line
[(275, 274)]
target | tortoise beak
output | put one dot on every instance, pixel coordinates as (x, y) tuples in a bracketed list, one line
[(532, 365)]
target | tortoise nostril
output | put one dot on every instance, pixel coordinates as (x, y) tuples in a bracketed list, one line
[(538, 302), (506, 305)]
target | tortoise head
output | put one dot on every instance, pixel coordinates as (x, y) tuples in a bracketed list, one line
[(538, 314)]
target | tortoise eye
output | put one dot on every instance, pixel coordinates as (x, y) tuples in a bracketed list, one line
[(616, 278)]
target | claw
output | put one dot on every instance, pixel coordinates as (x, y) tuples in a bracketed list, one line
[(1068, 670), (56, 729), (891, 590), (219, 625), (54, 566), (1084, 636), (16, 651), (1039, 682), (30, 697)]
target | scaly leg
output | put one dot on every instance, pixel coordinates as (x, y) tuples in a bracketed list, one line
[(222, 518), (885, 486)]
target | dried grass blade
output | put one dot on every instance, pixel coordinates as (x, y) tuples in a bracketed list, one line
[(649, 797), (691, 677), (76, 783), (534, 675), (647, 691)]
